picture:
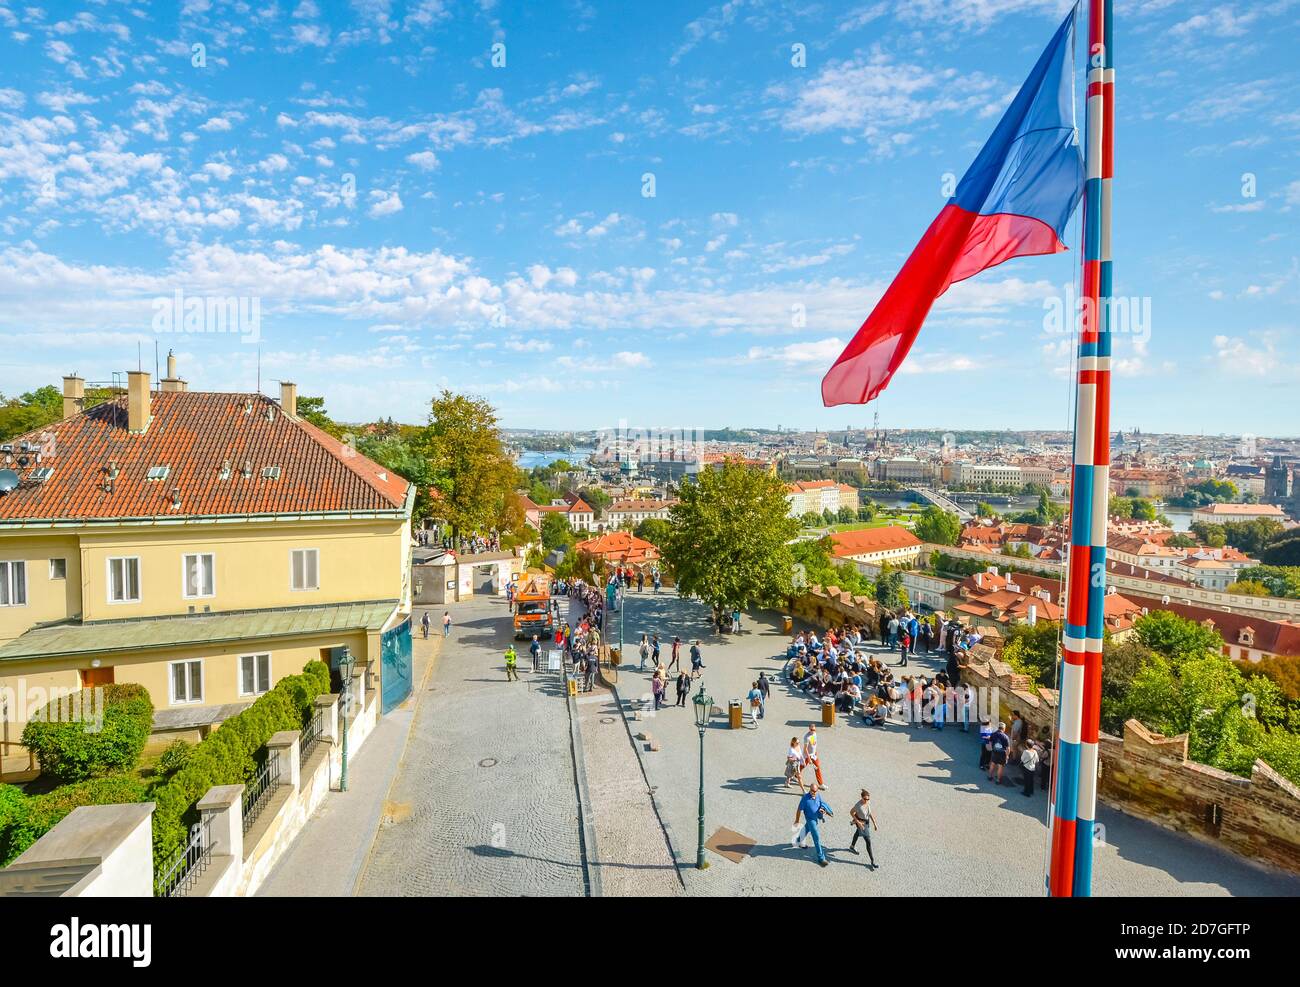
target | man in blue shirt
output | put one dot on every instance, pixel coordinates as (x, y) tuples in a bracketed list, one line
[(811, 807)]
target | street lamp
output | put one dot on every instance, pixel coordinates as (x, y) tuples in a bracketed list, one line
[(346, 664), (703, 705)]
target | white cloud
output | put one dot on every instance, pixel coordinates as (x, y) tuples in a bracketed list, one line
[(384, 203)]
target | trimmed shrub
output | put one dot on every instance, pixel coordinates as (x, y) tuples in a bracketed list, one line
[(174, 757), (36, 815), (11, 804), (228, 756), (74, 738)]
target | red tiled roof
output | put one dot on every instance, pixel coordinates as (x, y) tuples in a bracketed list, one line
[(194, 433), (865, 540), (618, 546)]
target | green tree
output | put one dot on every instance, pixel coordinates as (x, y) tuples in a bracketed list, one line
[(866, 512), (846, 515), (1031, 650), (1283, 550), (811, 520), (556, 532), (729, 541), (889, 587), (985, 509), (312, 409), (937, 526), (1176, 638), (1278, 580), (468, 466), (654, 530)]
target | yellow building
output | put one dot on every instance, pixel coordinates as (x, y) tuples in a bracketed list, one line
[(203, 545)]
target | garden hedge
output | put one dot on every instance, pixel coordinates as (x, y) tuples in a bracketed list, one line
[(68, 751), (228, 755), (25, 819)]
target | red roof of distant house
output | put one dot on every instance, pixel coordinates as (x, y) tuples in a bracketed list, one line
[(194, 433), (618, 546), (864, 541)]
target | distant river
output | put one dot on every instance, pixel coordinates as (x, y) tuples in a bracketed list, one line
[(528, 459)]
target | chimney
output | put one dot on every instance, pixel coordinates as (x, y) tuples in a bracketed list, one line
[(74, 395), (289, 398), (172, 381), (137, 418), (1033, 615)]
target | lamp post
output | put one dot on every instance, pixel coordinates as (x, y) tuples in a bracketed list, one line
[(703, 704), (346, 664)]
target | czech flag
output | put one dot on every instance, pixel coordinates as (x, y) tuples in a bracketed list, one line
[(1013, 202)]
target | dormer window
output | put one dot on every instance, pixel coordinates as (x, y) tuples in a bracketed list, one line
[(270, 472), (158, 472), (1246, 636), (225, 471)]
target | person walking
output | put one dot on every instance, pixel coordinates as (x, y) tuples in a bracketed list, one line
[(755, 698), (810, 753), (812, 809), (425, 623), (657, 688), (511, 658), (735, 620), (794, 764), (644, 650), (863, 822), (654, 650), (446, 623), (765, 687), (697, 660), (683, 686), (676, 659), (536, 650)]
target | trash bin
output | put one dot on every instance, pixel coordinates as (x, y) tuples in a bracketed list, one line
[(573, 686), (615, 656), (735, 716), (787, 625), (828, 712)]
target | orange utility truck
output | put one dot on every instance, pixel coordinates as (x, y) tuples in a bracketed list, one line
[(533, 609)]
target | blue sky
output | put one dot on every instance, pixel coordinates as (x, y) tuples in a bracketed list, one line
[(410, 215)]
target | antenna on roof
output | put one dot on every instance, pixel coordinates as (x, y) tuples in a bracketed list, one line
[(259, 370), (157, 374)]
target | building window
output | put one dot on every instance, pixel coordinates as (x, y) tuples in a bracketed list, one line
[(254, 674), (13, 584), (198, 575), (58, 568), (124, 580), (305, 566), (187, 682)]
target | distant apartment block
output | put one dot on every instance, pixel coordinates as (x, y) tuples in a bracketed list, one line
[(817, 496)]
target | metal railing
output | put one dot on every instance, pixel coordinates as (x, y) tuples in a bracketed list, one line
[(311, 735), (179, 875), (259, 792)]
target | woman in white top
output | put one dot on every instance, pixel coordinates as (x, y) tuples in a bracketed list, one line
[(794, 763)]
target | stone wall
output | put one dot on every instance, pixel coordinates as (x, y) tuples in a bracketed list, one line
[(1147, 775), (1150, 776)]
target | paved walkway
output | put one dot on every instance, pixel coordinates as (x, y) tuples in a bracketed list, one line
[(484, 802), (630, 855), (944, 829), (327, 857)]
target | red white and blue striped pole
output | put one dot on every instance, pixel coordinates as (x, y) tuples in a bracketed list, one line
[(1075, 795)]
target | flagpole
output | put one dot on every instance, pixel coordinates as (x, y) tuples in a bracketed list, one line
[(1074, 801)]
